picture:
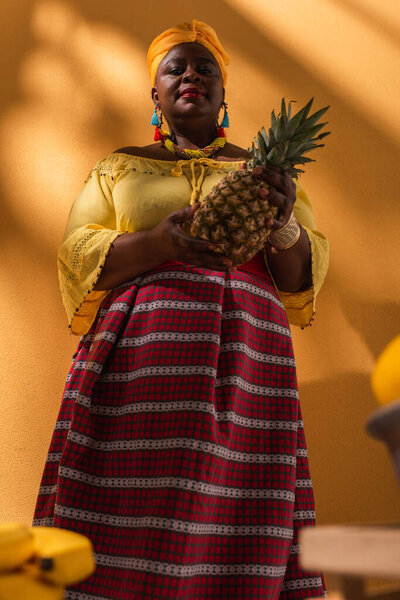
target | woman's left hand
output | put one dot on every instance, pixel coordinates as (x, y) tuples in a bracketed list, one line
[(290, 269), (281, 194)]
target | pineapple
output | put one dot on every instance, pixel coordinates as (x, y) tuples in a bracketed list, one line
[(232, 215)]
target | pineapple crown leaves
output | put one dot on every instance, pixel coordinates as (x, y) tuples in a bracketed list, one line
[(289, 138)]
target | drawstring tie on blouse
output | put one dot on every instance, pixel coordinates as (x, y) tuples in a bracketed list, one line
[(195, 180)]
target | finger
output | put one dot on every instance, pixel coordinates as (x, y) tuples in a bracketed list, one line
[(275, 168), (263, 192), (180, 216), (282, 202), (200, 252), (278, 223), (278, 178), (195, 244), (270, 175), (272, 223)]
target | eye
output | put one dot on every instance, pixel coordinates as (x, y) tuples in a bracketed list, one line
[(176, 71)]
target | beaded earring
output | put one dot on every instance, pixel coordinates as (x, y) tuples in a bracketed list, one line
[(225, 118), (155, 119)]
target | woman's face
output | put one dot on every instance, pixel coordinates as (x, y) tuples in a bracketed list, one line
[(189, 85)]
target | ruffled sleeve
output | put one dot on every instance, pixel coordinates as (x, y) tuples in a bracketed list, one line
[(90, 233), (300, 306)]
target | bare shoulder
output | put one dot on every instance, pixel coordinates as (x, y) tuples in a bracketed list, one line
[(232, 152), (154, 151)]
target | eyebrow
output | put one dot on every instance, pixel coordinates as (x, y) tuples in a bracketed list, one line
[(183, 60)]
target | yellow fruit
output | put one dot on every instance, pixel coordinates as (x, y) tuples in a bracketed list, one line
[(16, 545), (385, 378), (233, 215), (62, 556), (22, 585)]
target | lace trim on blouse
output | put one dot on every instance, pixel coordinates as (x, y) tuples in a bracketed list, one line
[(115, 164)]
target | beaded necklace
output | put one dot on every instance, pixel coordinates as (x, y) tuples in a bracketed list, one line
[(186, 153)]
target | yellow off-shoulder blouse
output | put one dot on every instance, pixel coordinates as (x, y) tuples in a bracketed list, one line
[(125, 193)]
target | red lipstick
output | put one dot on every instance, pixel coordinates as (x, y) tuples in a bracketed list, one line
[(191, 92)]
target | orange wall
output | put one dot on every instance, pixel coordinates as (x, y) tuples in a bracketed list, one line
[(75, 87)]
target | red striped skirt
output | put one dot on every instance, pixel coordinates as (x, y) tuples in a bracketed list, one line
[(179, 448)]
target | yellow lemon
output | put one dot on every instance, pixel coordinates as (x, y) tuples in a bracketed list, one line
[(385, 379)]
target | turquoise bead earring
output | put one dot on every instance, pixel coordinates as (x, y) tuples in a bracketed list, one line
[(225, 119), (155, 119)]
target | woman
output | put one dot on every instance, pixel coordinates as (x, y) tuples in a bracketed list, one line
[(179, 448)]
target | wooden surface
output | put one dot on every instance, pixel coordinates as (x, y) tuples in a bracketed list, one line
[(352, 555), (365, 550)]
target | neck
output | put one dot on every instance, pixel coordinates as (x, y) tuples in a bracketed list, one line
[(198, 138)]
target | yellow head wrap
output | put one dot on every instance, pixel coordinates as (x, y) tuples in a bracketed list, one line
[(196, 31)]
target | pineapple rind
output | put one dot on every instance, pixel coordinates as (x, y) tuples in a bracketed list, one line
[(233, 215), (243, 232)]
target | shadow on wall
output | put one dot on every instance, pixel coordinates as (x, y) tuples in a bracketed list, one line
[(372, 19), (141, 21), (364, 317), (343, 458)]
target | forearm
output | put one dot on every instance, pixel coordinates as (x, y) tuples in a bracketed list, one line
[(130, 255), (291, 268)]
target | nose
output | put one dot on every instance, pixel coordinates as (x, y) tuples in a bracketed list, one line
[(190, 74)]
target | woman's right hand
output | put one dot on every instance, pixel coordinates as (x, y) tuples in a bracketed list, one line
[(173, 244), (133, 254)]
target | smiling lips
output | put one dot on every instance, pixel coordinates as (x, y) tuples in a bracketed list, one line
[(191, 93)]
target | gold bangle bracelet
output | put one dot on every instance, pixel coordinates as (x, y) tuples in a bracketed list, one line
[(287, 236)]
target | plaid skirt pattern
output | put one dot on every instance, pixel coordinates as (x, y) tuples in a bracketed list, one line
[(179, 448)]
